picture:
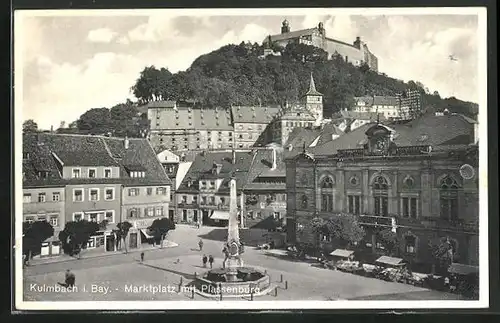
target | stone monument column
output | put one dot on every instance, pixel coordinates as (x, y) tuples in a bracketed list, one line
[(233, 261)]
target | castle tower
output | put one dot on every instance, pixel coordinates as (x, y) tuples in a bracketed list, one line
[(285, 27), (314, 102)]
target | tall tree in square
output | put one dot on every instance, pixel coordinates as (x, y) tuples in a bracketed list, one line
[(160, 228), (76, 235), (34, 234), (121, 233)]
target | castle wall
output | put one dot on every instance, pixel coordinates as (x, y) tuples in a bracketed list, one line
[(354, 55)]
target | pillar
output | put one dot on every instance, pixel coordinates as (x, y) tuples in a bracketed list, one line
[(366, 192), (393, 195), (426, 193), (340, 191)]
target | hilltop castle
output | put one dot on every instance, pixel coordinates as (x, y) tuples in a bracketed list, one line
[(357, 53)]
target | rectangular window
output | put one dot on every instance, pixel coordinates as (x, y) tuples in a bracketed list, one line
[(110, 216), (42, 218), (326, 202), (203, 200), (159, 211), (184, 199), (93, 217), (354, 204), (41, 197), (77, 195), (110, 194), (92, 172), (29, 219), (161, 191), (195, 199), (409, 207), (133, 191), (150, 211), (107, 173), (381, 206), (76, 172), (78, 216), (56, 196), (94, 194), (149, 191), (212, 200), (54, 221), (133, 213), (26, 198)]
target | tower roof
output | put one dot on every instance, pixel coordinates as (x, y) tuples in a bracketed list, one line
[(312, 87)]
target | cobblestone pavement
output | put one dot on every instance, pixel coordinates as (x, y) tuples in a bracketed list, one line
[(124, 278)]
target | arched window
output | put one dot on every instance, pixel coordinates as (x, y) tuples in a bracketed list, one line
[(303, 202), (448, 198), (327, 194), (380, 195)]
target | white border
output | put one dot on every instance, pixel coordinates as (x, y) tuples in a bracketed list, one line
[(483, 301)]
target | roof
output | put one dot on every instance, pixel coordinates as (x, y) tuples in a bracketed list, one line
[(202, 168), (48, 151), (342, 253), (362, 115), (161, 104), (351, 140), (461, 269), (295, 112), (261, 176), (297, 138), (390, 261), (290, 35), (379, 100), (312, 87), (254, 114), (212, 119)]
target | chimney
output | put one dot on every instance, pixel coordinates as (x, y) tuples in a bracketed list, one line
[(51, 129), (233, 159), (126, 142), (274, 159)]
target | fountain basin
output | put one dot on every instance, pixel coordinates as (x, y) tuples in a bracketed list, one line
[(248, 281)]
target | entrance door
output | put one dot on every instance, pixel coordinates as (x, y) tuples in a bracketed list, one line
[(195, 216), (171, 215), (205, 218), (133, 240), (110, 243)]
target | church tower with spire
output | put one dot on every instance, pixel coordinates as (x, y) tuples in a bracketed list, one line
[(313, 101)]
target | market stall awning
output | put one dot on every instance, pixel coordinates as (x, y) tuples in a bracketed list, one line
[(147, 234), (390, 261), (342, 253), (220, 215), (461, 269)]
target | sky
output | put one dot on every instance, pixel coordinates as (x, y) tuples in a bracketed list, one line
[(72, 63)]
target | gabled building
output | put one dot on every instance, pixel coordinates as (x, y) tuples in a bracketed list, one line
[(250, 124), (91, 173), (203, 195), (265, 189), (419, 180)]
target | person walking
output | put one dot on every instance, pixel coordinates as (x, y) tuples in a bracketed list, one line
[(200, 244), (204, 260), (211, 261), (142, 257), (69, 279), (225, 251)]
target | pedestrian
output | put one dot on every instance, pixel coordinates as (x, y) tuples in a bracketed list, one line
[(204, 260), (142, 256), (69, 278), (200, 244), (211, 261)]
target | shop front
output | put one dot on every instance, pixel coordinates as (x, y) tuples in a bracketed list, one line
[(140, 234)]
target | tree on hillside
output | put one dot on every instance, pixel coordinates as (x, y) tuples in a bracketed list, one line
[(34, 234), (121, 233), (75, 236), (160, 228), (96, 121), (30, 126)]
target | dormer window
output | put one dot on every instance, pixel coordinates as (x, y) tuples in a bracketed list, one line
[(107, 173), (76, 172), (43, 174), (92, 172)]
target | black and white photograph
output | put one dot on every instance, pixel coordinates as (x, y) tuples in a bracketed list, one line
[(312, 158)]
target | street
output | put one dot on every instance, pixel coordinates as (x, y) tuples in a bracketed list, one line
[(123, 277)]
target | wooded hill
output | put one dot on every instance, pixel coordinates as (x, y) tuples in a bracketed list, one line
[(239, 75)]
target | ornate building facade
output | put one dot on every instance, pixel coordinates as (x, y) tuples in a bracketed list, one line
[(420, 182)]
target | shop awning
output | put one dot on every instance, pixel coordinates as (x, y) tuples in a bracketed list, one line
[(390, 261), (462, 269), (342, 253), (147, 234), (220, 215)]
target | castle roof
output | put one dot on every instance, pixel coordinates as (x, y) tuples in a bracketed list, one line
[(291, 34)]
